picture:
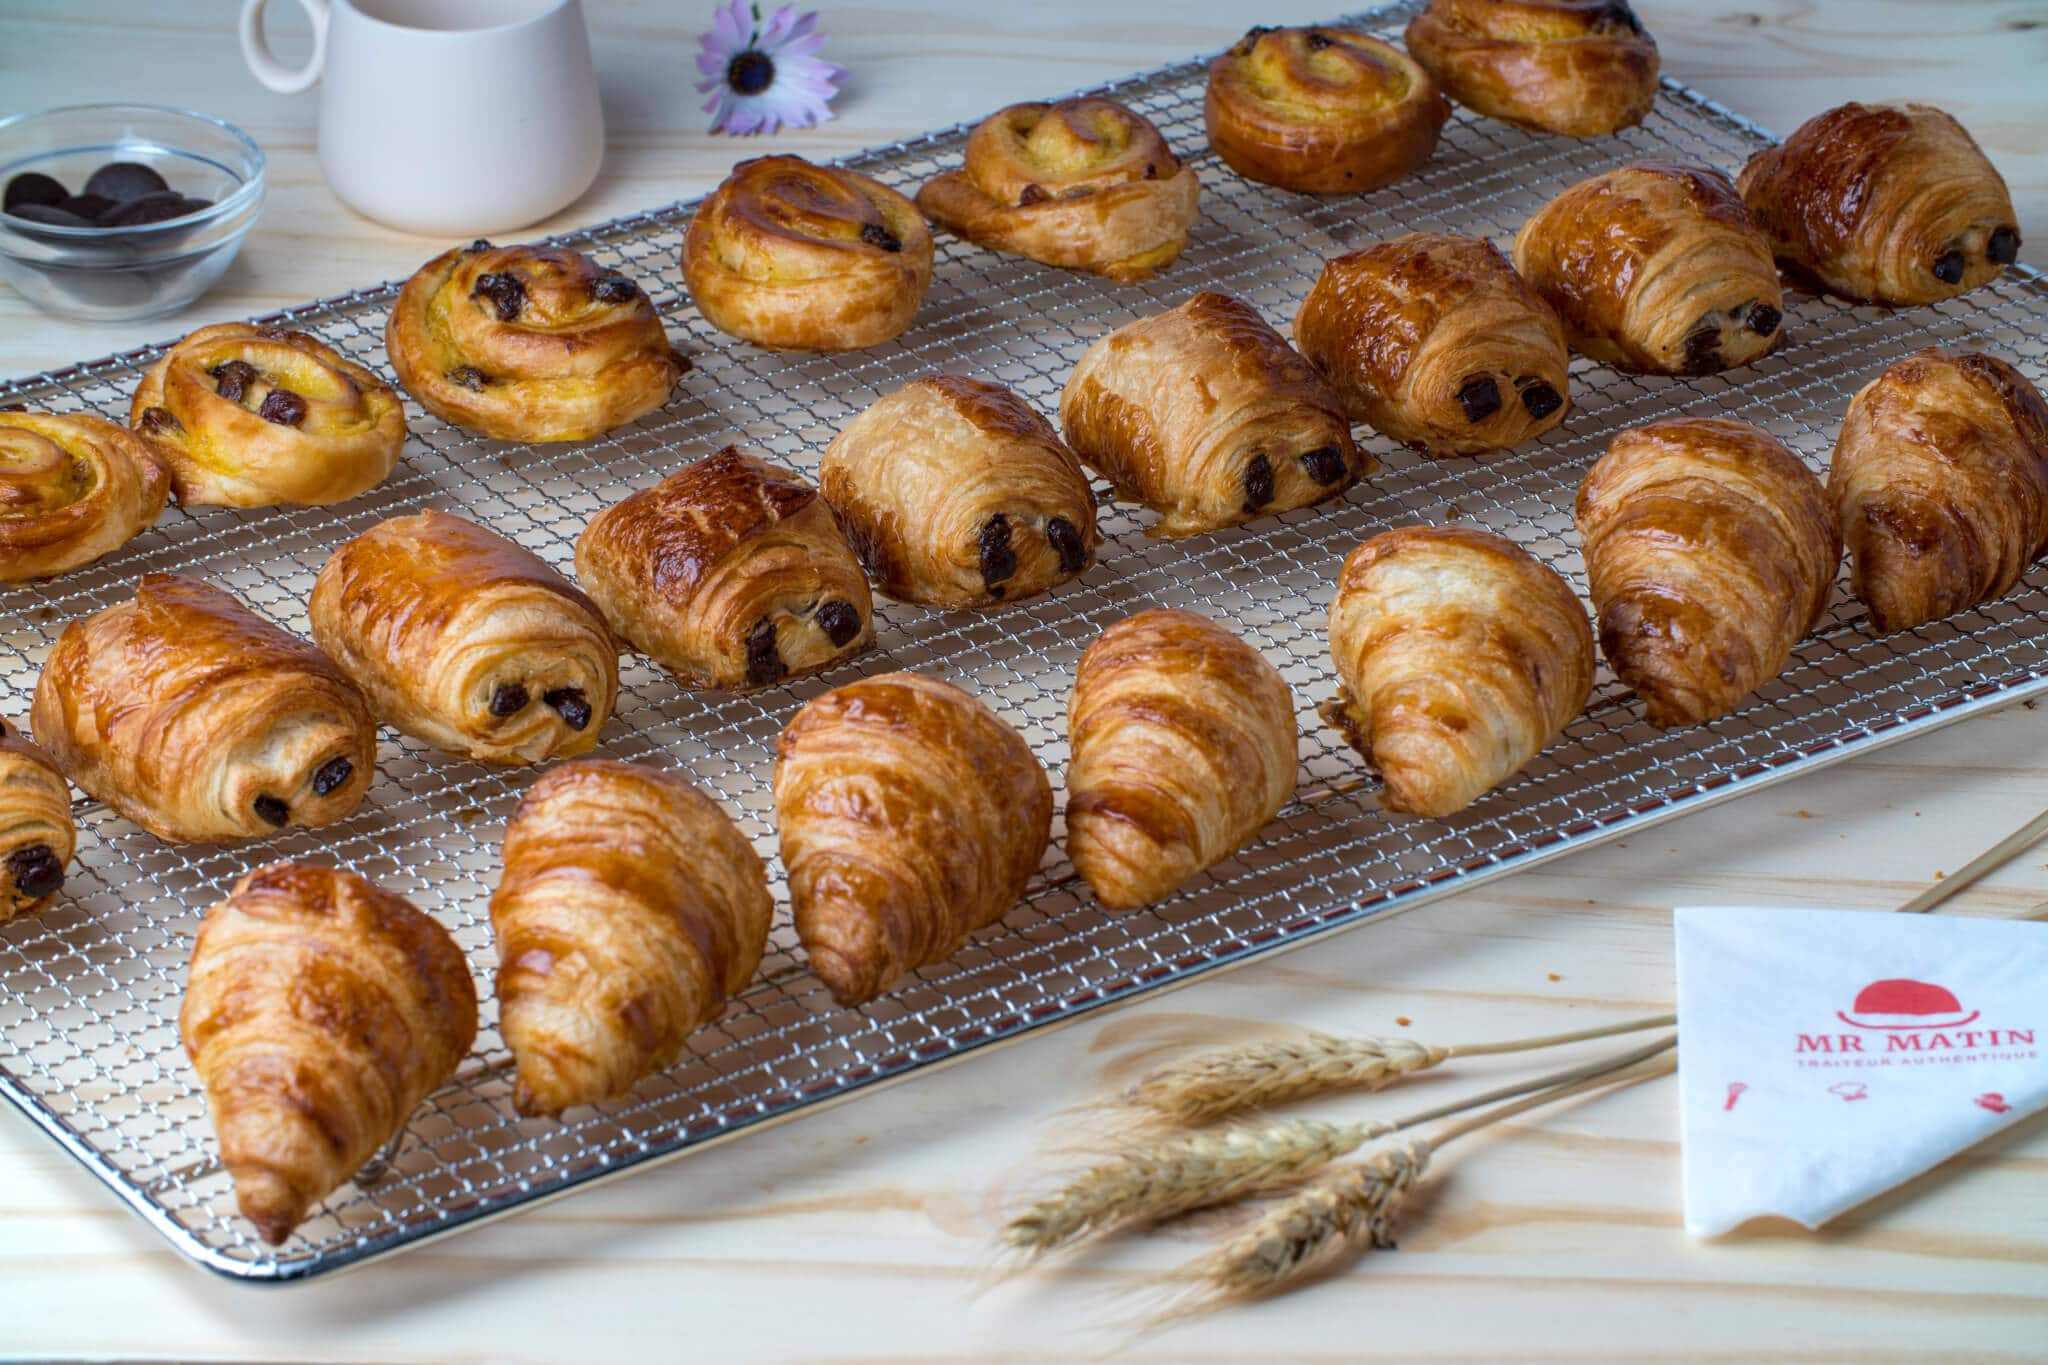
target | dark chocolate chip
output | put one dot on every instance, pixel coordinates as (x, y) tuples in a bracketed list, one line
[(1949, 268), (469, 377), (614, 289), (1540, 400), (1317, 41), (36, 870), (50, 215), (2004, 246), (505, 290), (272, 809), (479, 244), (232, 379), (122, 181), (33, 187), (874, 234), (283, 407), (998, 560), (329, 776), (1066, 542), (840, 621), (91, 207), (1258, 483), (1703, 349), (160, 419), (764, 662), (1325, 464), (1621, 16), (573, 706), (509, 699), (1763, 319), (1151, 170), (1480, 398), (1031, 194), (151, 208)]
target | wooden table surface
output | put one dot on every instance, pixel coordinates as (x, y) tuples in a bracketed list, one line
[(864, 1233)]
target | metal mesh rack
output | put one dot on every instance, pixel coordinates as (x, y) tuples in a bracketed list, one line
[(89, 990)]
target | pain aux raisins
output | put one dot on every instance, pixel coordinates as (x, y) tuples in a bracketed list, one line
[(764, 661), (571, 705), (272, 810), (1324, 464), (505, 291), (327, 779), (1066, 542), (840, 621), (1480, 398), (35, 870), (283, 407), (874, 234), (998, 559), (232, 378), (508, 699), (1258, 483)]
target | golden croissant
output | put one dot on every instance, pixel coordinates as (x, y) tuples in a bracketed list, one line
[(73, 488), (37, 833)]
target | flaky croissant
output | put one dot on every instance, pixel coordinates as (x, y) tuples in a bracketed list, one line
[(1710, 550), (465, 640), (37, 833), (800, 257), (1655, 267), (248, 416), (1577, 67), (72, 489), (201, 721), (529, 343), (957, 493), (1205, 414), (1183, 747), (1891, 203), (1083, 184), (910, 816), (1434, 340), (1323, 110), (319, 1011), (630, 909), (1459, 656), (1940, 479), (729, 573)]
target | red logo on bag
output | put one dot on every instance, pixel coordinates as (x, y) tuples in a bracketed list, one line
[(1901, 1017), (1906, 1004)]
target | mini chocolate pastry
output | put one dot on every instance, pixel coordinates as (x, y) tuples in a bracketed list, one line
[(37, 833)]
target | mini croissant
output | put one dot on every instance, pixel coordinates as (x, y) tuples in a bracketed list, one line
[(1710, 550), (910, 816), (1459, 656), (72, 489), (629, 911), (1183, 746), (1581, 68), (320, 1010), (37, 833)]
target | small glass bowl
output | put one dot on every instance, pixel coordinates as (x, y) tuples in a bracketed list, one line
[(109, 274)]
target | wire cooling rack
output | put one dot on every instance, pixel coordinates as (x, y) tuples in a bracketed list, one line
[(89, 990)]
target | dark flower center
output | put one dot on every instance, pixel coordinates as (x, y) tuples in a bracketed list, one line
[(750, 73)]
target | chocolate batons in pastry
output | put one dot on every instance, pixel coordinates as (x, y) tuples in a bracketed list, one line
[(72, 489), (1322, 110), (319, 1011), (956, 493), (1710, 550), (1434, 340), (800, 257), (201, 721), (1206, 415), (730, 573), (1940, 479), (910, 816), (1577, 67), (248, 416), (629, 911), (1083, 184), (1459, 656), (37, 833), (467, 641), (529, 343), (1655, 267), (1183, 745), (1890, 203)]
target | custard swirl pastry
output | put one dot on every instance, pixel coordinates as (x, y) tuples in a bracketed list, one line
[(1206, 415), (1940, 478), (528, 343), (957, 493), (1083, 184), (37, 833), (73, 488), (201, 721), (1577, 67), (1434, 340), (1710, 550), (1655, 267), (319, 1011), (1183, 746), (250, 416), (910, 816), (800, 257), (1323, 110), (1458, 656), (730, 573), (467, 641), (1891, 203)]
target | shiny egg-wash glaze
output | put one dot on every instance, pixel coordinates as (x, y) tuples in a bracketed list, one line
[(1582, 68), (37, 832), (73, 489)]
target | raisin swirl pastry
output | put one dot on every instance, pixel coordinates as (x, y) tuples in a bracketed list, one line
[(1940, 479), (957, 493), (1323, 110), (1434, 340), (319, 1011), (1083, 184), (467, 641), (528, 343), (249, 416), (800, 257), (1577, 67), (630, 910), (730, 573), (910, 816), (37, 833), (1655, 267), (201, 721), (1206, 415), (1459, 656), (1710, 549), (1183, 746), (73, 488), (1890, 203)]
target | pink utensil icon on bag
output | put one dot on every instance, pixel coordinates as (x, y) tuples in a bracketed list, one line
[(1735, 1089), (1993, 1101), (1850, 1090)]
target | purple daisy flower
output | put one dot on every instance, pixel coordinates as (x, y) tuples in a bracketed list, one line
[(763, 75)]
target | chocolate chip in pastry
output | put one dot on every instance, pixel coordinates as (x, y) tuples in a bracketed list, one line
[(1582, 68), (37, 833), (73, 488)]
